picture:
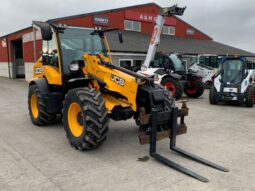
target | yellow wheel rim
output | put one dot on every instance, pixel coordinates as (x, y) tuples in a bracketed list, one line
[(75, 125), (34, 106)]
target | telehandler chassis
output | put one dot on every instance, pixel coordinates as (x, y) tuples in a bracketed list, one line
[(87, 89)]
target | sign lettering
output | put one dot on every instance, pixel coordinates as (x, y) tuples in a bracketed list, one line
[(137, 16), (100, 20)]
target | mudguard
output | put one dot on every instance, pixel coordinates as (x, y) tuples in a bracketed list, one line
[(172, 75), (53, 100), (42, 84)]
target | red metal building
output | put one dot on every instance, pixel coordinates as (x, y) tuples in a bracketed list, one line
[(17, 50)]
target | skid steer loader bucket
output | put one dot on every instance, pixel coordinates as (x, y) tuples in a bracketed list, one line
[(156, 118)]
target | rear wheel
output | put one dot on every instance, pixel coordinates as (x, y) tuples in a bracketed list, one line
[(249, 96), (37, 108), (174, 86), (212, 95), (195, 89), (85, 118)]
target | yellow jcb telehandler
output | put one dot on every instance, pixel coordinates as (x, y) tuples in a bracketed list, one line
[(75, 77)]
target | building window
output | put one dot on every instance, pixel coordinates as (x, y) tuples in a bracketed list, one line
[(169, 30), (130, 64), (137, 65), (126, 63), (4, 44), (132, 25)]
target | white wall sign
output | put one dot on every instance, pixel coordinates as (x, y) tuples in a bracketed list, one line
[(100, 20), (190, 31), (3, 43)]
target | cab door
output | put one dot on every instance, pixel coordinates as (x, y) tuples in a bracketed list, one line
[(48, 65)]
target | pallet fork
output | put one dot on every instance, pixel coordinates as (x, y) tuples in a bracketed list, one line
[(172, 118)]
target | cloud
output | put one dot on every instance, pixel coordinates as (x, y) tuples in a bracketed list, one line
[(230, 21)]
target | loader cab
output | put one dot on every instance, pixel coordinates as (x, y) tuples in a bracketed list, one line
[(74, 42), (233, 82), (179, 66), (62, 62), (161, 61), (67, 47), (172, 62), (233, 71)]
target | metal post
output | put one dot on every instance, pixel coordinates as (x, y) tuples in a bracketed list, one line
[(174, 117), (153, 137), (8, 56)]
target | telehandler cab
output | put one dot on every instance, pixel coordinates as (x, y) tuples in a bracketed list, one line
[(75, 78), (171, 72)]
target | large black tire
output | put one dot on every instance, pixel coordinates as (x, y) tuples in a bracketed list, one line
[(212, 95), (91, 117), (169, 101), (249, 96), (195, 90), (37, 108), (174, 86)]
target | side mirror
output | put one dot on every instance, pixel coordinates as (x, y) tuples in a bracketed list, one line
[(46, 32), (120, 37), (45, 28)]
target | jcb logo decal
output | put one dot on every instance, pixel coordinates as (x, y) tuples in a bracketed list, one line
[(38, 70), (117, 80)]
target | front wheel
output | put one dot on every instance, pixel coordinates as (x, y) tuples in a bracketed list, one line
[(174, 86), (249, 96), (85, 118), (212, 95), (195, 89), (37, 108)]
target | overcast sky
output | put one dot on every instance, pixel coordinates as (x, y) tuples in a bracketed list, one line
[(227, 21)]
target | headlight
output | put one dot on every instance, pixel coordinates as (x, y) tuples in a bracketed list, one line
[(74, 67), (143, 68)]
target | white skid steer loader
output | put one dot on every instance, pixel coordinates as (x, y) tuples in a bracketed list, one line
[(233, 82)]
